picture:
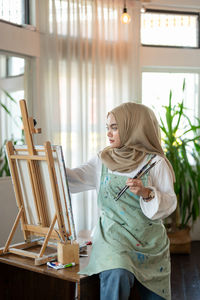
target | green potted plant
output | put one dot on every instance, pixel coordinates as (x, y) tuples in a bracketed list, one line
[(182, 148), (4, 168)]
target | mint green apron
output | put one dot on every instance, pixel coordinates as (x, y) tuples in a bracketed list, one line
[(126, 238)]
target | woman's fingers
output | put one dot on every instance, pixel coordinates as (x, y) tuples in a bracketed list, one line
[(135, 185), (134, 182)]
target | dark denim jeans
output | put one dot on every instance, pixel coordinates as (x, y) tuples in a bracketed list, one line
[(116, 284)]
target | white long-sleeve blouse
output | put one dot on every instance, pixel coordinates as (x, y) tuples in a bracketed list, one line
[(87, 177)]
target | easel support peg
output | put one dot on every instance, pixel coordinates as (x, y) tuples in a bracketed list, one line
[(32, 124)]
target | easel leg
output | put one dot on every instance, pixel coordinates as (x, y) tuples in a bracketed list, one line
[(48, 236), (13, 230)]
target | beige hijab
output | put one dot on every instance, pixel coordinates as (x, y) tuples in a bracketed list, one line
[(139, 133)]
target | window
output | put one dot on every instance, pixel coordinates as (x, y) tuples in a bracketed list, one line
[(15, 66), (11, 91), (170, 29), (15, 11), (156, 87)]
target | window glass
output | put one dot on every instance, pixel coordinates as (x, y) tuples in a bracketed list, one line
[(15, 66), (11, 125), (156, 88), (11, 91), (168, 29), (13, 11)]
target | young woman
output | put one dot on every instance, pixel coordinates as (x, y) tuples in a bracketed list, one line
[(130, 241)]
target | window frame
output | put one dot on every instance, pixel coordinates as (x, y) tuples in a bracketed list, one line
[(174, 12), (27, 12), (26, 19), (156, 69)]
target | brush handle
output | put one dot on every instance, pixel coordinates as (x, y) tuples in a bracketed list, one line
[(141, 173)]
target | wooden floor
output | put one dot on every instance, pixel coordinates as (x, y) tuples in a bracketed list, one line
[(185, 277)]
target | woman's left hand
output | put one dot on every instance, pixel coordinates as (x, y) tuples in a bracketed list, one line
[(136, 186)]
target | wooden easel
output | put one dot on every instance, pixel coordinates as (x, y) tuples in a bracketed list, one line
[(43, 228)]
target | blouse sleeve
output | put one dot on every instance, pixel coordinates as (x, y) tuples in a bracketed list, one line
[(85, 177), (165, 201)]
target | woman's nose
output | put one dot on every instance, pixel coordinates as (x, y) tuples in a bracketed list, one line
[(109, 133)]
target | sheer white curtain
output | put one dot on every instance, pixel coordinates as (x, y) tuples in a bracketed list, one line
[(86, 68)]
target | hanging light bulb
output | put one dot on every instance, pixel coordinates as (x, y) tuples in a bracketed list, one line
[(143, 9), (125, 18)]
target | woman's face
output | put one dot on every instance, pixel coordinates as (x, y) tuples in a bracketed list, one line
[(113, 132)]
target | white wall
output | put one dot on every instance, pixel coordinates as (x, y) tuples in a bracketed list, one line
[(8, 212), (19, 40)]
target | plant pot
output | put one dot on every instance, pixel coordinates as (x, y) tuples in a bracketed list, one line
[(180, 241)]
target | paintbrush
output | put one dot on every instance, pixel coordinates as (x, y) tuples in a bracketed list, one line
[(141, 173)]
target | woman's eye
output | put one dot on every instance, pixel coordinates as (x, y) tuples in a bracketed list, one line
[(111, 128)]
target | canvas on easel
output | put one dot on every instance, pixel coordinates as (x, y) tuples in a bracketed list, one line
[(42, 196)]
